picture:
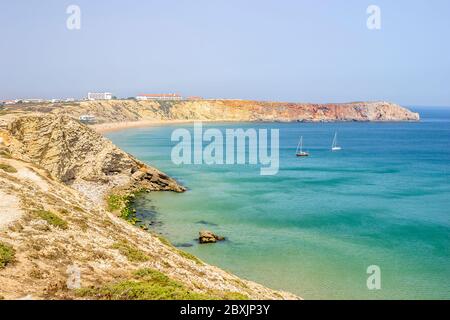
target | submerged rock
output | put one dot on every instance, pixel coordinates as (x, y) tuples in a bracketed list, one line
[(207, 223), (206, 236), (183, 245)]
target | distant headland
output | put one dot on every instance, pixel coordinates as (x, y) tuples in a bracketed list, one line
[(111, 114)]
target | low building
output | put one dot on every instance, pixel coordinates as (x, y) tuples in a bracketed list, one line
[(195, 98), (159, 96), (99, 96), (33, 100), (61, 100), (87, 119), (7, 102)]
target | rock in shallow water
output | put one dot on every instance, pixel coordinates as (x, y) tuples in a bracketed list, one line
[(206, 236)]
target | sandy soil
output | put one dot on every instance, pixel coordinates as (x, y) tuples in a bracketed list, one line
[(9, 209)]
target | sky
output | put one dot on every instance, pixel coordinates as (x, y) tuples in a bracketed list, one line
[(285, 50)]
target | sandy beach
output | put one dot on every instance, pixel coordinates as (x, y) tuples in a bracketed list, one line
[(116, 126)]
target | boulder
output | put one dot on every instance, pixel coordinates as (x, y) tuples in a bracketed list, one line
[(209, 237)]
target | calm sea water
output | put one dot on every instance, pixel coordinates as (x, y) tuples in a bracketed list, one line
[(314, 228)]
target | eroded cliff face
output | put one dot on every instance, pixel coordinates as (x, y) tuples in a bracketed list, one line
[(234, 110), (51, 228), (78, 156)]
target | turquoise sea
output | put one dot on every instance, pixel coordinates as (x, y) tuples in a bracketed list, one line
[(314, 228)]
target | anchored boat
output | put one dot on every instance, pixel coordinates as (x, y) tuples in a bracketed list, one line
[(334, 146), (300, 152)]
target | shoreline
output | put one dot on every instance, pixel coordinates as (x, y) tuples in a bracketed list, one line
[(118, 126), (123, 125), (108, 127)]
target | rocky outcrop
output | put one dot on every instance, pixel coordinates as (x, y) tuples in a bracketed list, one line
[(206, 236), (80, 157)]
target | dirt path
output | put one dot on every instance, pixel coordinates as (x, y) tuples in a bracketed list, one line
[(9, 209)]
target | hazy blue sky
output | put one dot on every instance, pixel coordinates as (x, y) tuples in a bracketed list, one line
[(297, 50)]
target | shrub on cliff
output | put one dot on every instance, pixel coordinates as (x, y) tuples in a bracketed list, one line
[(6, 254), (52, 219), (7, 168), (121, 205), (146, 284), (150, 284), (132, 253)]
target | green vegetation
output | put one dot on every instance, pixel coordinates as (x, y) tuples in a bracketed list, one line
[(150, 284), (114, 202), (146, 284), (7, 168), (77, 208), (121, 204), (132, 253), (234, 296), (189, 256), (52, 219), (6, 255), (5, 154), (163, 240)]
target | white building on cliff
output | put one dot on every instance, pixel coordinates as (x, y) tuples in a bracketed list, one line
[(159, 96), (99, 96)]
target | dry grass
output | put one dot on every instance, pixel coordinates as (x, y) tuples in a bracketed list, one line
[(52, 219), (132, 253)]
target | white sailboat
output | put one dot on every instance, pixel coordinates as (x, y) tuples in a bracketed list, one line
[(334, 146), (300, 152)]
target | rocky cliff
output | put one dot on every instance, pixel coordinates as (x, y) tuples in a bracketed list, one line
[(227, 110), (78, 156), (57, 241)]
